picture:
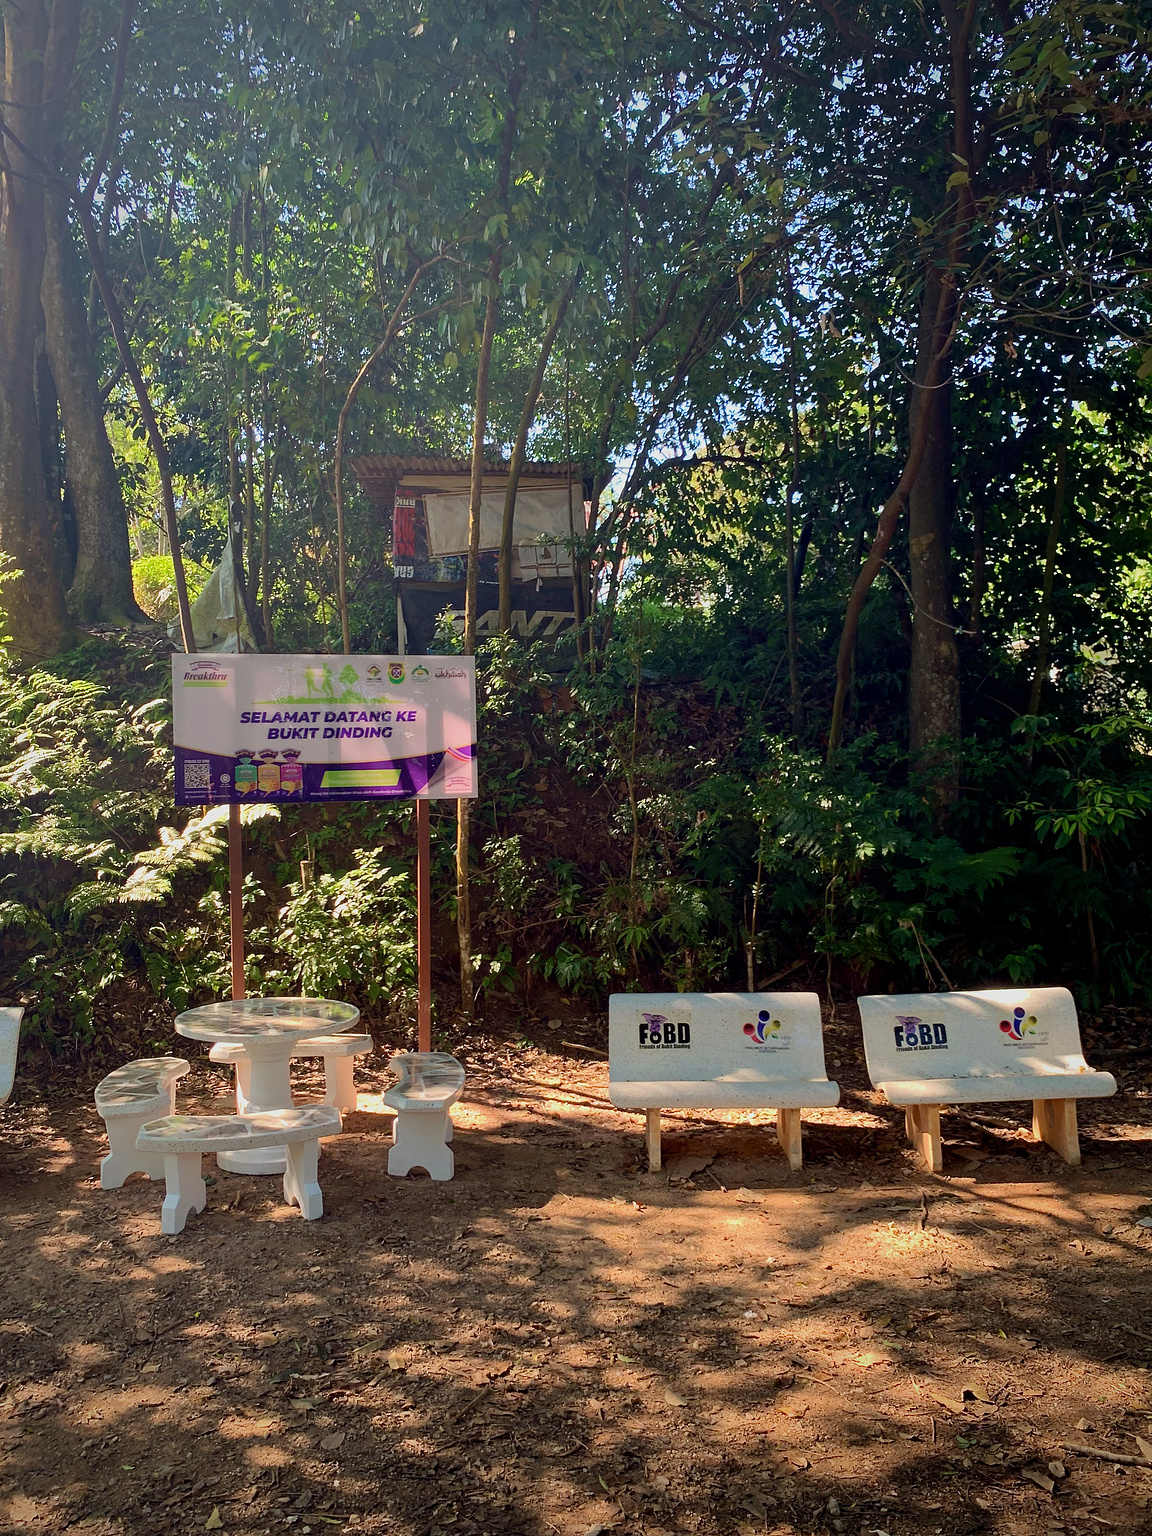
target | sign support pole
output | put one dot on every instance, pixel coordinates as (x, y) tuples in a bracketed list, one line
[(236, 899), (424, 924)]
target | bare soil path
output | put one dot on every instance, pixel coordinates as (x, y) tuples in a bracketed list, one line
[(558, 1343)]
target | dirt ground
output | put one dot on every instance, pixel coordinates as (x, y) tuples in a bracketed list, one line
[(559, 1343)]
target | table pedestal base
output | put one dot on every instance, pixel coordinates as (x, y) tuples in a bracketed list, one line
[(258, 1160)]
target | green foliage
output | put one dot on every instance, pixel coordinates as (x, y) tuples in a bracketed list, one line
[(154, 585)]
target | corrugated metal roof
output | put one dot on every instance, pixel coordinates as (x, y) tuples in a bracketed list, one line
[(399, 464)]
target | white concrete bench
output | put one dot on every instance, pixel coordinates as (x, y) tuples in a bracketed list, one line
[(9, 1044), (127, 1098), (719, 1050), (339, 1053), (181, 1141), (430, 1083), (929, 1049)]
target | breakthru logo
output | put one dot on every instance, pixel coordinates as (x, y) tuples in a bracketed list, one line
[(912, 1034), (659, 1033), (764, 1029), (1018, 1025)]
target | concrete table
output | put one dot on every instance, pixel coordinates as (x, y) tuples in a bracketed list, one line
[(269, 1028)]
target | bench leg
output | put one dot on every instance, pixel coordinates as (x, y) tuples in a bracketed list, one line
[(652, 1138), (419, 1143), (340, 1083), (185, 1191), (1054, 1121), (300, 1181), (122, 1157), (788, 1135), (923, 1125)]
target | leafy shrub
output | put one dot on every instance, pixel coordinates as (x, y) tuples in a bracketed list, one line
[(154, 584)]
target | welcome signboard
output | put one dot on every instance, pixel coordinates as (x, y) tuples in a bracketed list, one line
[(327, 728)]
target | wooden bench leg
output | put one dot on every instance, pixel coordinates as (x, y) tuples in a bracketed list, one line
[(184, 1192), (788, 1135), (1054, 1121), (300, 1180), (652, 1138), (340, 1083), (923, 1125)]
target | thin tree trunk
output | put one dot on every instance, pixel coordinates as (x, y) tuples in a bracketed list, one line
[(1044, 628), (520, 454), (475, 493), (790, 526), (101, 590), (341, 432), (151, 425), (33, 599)]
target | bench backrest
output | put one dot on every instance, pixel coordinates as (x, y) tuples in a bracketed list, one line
[(710, 1036), (9, 1044), (1020, 1032)]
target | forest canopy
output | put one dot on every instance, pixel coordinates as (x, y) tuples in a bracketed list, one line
[(839, 316)]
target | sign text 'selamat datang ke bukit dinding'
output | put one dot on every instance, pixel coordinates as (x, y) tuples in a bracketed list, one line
[(285, 728)]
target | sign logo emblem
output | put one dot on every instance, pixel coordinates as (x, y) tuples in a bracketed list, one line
[(912, 1034), (1018, 1025), (765, 1027), (395, 671), (659, 1033)]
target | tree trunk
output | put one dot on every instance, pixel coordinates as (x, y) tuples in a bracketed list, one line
[(934, 676), (520, 454), (33, 600), (101, 589)]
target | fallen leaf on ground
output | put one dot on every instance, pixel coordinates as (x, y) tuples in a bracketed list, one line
[(214, 1522), (681, 1168), (1083, 1424), (871, 1359), (396, 1360), (1041, 1479), (333, 1442), (149, 1369), (977, 1392), (1145, 1447), (674, 1400), (1057, 1469)]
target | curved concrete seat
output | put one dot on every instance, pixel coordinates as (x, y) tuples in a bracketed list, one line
[(9, 1045), (182, 1139), (929, 1049), (339, 1053), (132, 1094), (719, 1050), (430, 1083)]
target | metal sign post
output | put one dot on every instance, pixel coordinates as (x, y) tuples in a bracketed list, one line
[(236, 900), (424, 925)]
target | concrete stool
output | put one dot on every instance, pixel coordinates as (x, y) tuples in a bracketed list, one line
[(136, 1092), (9, 1042), (430, 1083), (181, 1140), (339, 1053)]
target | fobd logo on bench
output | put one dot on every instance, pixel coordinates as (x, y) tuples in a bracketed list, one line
[(912, 1034), (660, 1034)]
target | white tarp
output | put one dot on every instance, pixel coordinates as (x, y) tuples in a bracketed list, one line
[(539, 514)]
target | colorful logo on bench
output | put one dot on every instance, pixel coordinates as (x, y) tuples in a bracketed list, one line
[(659, 1033), (912, 1034), (764, 1029), (1018, 1025)]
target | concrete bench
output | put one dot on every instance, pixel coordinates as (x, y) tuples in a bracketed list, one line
[(719, 1050), (929, 1049), (430, 1083), (127, 1098), (339, 1053), (181, 1141), (9, 1044)]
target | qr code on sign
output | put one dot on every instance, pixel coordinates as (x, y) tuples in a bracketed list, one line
[(197, 773)]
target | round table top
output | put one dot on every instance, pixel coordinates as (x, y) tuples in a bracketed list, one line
[(266, 1018)]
